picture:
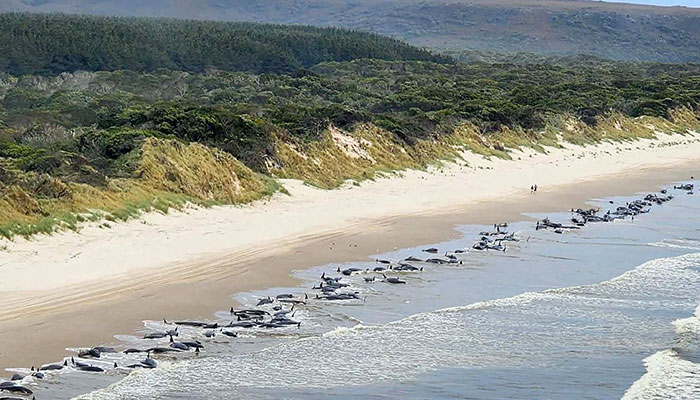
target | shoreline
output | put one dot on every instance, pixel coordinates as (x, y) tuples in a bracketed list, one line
[(59, 290)]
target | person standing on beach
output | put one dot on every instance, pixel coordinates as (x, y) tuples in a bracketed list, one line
[(535, 188)]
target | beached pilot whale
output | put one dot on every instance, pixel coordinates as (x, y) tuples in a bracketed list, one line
[(148, 363), (242, 324), (87, 367), (54, 367), (93, 352), (262, 302), (339, 296), (12, 387), (155, 335), (393, 280), (196, 324), (178, 345), (349, 271), (685, 186)]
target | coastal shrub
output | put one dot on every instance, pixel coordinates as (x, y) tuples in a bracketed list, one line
[(145, 137)]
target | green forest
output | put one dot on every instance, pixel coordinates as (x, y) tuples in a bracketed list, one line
[(55, 43), (70, 138)]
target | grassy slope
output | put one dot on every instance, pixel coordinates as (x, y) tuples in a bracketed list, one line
[(172, 173), (169, 175)]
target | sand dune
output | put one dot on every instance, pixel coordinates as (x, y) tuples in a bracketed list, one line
[(159, 241)]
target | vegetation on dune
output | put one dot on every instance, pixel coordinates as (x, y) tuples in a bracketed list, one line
[(168, 174), (110, 144), (55, 43)]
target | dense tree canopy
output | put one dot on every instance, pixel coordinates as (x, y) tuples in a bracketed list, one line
[(54, 43), (102, 116)]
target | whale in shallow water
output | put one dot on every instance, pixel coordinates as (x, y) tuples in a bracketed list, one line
[(12, 387), (393, 280), (54, 367), (155, 335)]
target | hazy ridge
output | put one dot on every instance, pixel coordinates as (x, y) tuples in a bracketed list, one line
[(611, 30)]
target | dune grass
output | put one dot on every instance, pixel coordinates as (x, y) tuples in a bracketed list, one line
[(326, 164), (172, 174)]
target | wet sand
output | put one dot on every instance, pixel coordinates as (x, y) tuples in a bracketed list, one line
[(36, 327)]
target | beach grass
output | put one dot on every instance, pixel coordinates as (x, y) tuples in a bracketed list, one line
[(172, 174)]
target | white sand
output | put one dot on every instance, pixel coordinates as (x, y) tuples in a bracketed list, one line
[(155, 242)]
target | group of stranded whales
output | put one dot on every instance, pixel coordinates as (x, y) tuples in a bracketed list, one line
[(279, 311)]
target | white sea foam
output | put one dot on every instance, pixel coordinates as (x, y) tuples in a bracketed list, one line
[(689, 244), (668, 377)]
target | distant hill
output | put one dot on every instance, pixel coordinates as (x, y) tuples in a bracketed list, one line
[(611, 30), (54, 43)]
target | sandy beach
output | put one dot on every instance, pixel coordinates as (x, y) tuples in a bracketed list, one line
[(75, 289)]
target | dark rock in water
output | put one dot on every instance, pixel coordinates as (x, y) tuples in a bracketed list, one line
[(17, 377)]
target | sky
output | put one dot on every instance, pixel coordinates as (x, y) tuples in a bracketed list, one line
[(689, 3)]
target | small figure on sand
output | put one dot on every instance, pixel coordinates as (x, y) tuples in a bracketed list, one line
[(533, 188)]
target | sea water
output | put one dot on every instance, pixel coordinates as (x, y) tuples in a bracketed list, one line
[(607, 311)]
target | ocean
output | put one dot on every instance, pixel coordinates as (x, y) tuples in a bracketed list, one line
[(608, 311)]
